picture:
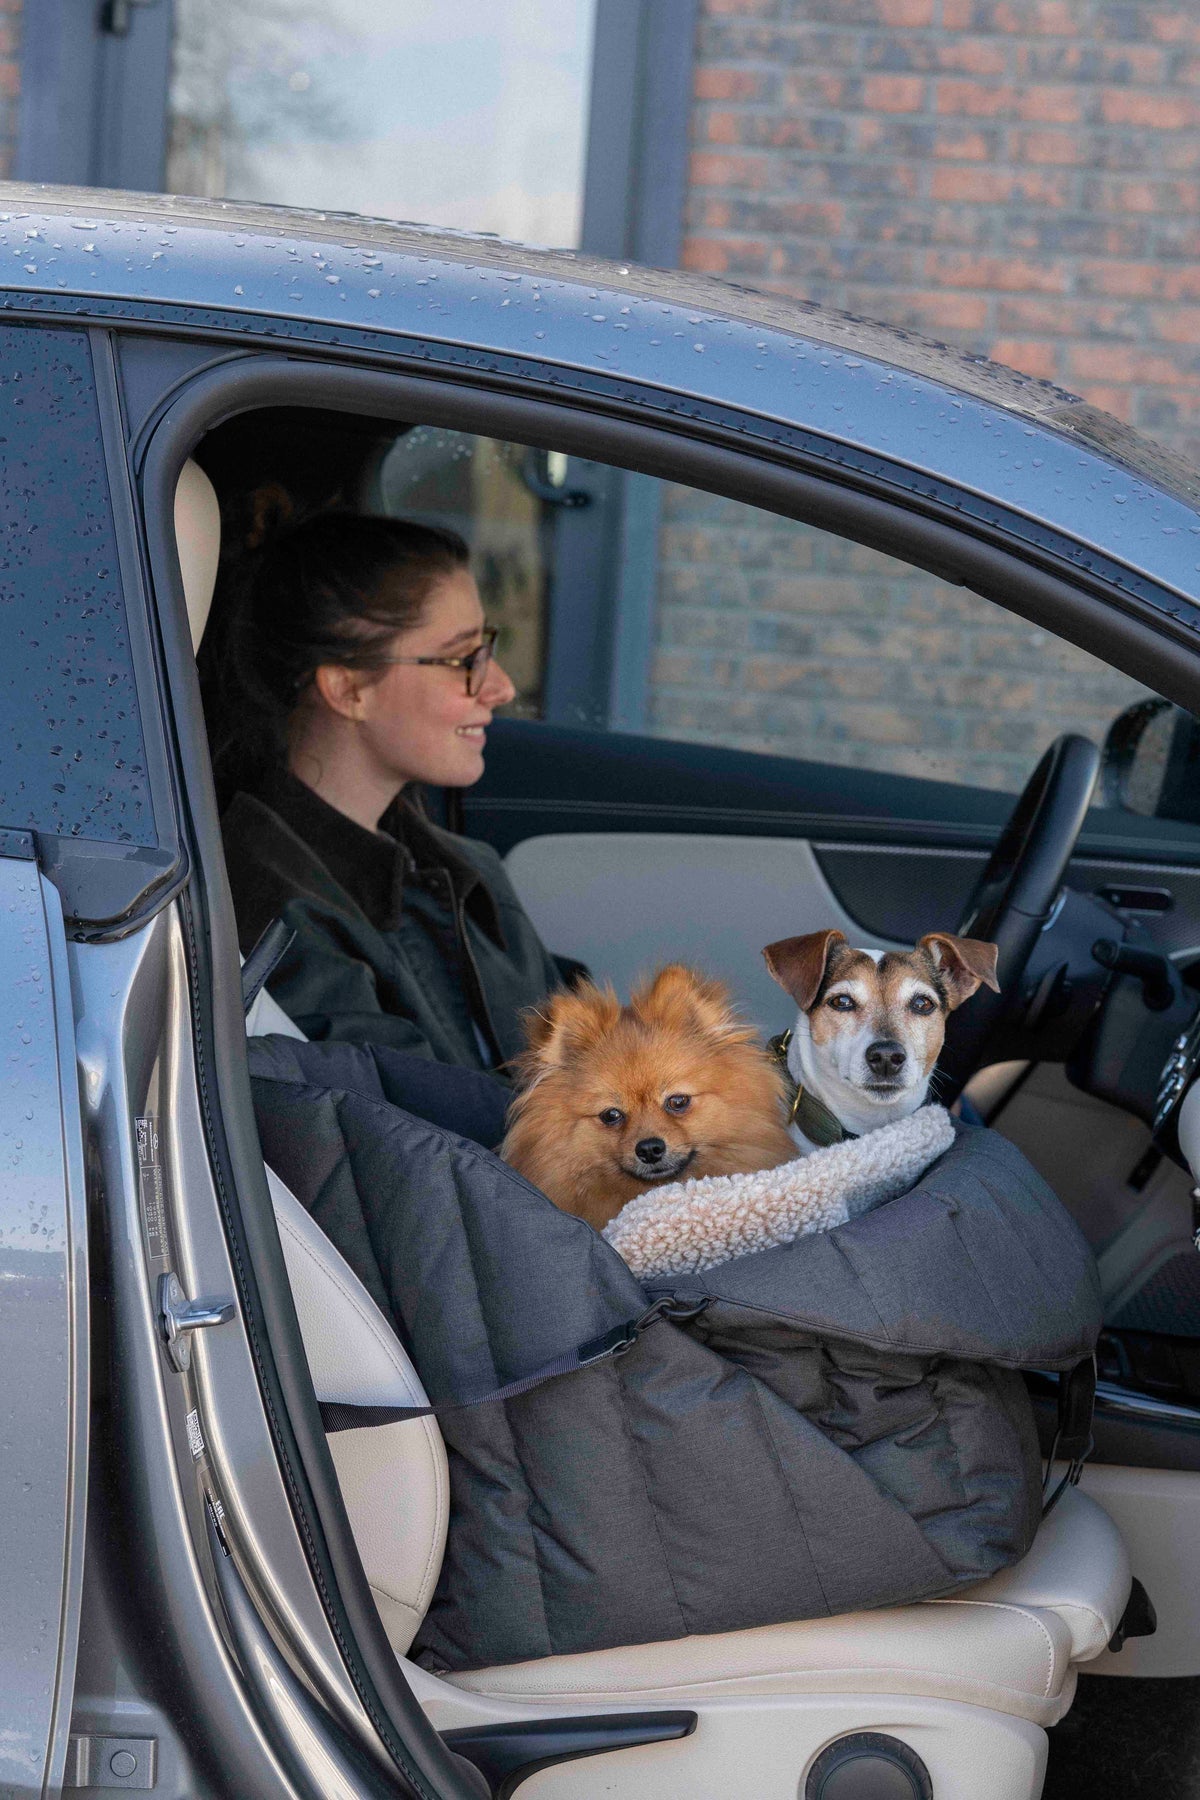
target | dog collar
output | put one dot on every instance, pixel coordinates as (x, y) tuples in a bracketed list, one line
[(808, 1114)]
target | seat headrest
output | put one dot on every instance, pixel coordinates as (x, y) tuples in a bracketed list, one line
[(198, 538)]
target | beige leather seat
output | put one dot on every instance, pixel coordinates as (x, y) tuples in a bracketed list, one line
[(968, 1682)]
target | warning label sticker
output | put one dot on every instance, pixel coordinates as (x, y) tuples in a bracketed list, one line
[(195, 1435), (150, 1182)]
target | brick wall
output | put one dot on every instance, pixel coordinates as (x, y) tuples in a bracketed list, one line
[(10, 82), (1021, 177)]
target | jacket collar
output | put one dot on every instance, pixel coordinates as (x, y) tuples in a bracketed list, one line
[(374, 866)]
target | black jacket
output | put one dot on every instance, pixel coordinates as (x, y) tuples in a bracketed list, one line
[(408, 936)]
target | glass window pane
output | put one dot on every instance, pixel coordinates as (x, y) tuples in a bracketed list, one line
[(776, 636), (444, 111)]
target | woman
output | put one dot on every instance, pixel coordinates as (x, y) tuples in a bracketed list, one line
[(361, 666)]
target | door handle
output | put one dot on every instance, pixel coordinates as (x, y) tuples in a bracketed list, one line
[(178, 1317)]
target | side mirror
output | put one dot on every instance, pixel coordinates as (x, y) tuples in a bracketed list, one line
[(1150, 762)]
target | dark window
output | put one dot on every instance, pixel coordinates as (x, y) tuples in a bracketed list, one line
[(72, 755)]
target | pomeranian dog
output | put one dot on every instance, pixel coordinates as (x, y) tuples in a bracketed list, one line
[(612, 1099)]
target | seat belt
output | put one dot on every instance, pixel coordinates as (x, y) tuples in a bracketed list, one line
[(275, 941), (1073, 1440), (342, 1415)]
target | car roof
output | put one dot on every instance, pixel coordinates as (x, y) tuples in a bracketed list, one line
[(785, 359)]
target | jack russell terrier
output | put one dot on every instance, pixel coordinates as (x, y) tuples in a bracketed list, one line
[(870, 1026)]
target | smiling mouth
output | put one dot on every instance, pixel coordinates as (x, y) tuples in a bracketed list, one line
[(659, 1171)]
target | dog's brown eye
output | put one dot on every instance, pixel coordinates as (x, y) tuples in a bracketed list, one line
[(841, 1003), (612, 1115), (920, 1003), (677, 1103)]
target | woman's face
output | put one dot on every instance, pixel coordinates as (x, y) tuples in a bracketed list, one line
[(419, 723)]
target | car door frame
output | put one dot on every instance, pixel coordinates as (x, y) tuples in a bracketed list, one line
[(744, 457)]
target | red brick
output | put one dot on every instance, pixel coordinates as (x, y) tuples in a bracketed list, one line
[(1133, 62), (1176, 25), (1063, 148), (1031, 356), (1058, 317), (975, 99), (930, 310), (1131, 280), (713, 215), (958, 182), (996, 273), (1016, 312), (731, 84), (956, 14), (1179, 325), (1122, 363), (994, 185), (1161, 112), (964, 145), (733, 256), (1050, 105), (1060, 18), (782, 217), (1175, 198), (893, 93), (905, 14), (708, 169), (813, 87), (972, 55)]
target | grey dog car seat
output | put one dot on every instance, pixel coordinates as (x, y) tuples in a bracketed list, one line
[(841, 1426)]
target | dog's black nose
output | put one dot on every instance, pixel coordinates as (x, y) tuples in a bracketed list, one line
[(886, 1058), (651, 1150)]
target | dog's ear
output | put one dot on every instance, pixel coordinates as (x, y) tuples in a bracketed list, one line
[(559, 1024), (799, 963), (681, 999), (963, 963)]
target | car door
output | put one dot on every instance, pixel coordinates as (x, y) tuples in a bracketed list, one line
[(73, 828)]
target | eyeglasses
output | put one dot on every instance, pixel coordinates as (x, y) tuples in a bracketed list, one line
[(476, 662)]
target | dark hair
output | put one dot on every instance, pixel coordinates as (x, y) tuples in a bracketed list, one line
[(335, 589)]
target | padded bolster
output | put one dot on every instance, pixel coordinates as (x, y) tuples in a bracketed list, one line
[(1007, 1658), (394, 1478)]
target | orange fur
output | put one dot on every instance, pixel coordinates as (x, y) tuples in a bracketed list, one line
[(678, 1038)]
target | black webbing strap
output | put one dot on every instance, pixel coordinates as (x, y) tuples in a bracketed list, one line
[(1073, 1441), (261, 962), (340, 1415)]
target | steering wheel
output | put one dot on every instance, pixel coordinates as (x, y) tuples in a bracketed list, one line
[(1015, 896)]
